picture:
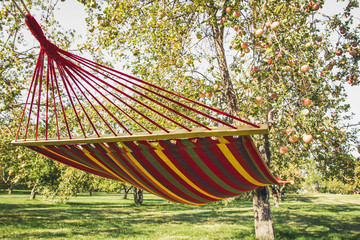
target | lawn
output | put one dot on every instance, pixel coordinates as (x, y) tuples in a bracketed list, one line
[(108, 216)]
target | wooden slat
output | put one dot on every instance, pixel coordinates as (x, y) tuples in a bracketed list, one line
[(158, 135)]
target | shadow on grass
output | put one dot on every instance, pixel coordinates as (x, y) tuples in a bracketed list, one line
[(301, 217), (317, 221)]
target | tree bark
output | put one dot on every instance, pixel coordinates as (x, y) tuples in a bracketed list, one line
[(275, 195), (138, 196), (126, 191), (228, 89), (10, 190), (262, 213), (33, 192)]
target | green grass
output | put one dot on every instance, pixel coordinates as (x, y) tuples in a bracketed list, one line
[(108, 216)]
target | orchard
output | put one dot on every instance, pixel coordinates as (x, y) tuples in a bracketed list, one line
[(281, 63)]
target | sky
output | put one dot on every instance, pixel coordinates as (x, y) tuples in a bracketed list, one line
[(71, 15)]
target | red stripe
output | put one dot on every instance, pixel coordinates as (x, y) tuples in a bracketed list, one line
[(203, 175), (66, 162), (232, 148), (140, 176), (259, 162), (222, 158), (179, 179), (205, 158)]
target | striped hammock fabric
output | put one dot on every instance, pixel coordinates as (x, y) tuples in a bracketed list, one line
[(191, 171)]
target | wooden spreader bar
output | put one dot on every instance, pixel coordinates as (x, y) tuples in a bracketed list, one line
[(158, 135)]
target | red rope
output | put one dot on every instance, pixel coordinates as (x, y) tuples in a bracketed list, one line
[(147, 97), (159, 88), (61, 102), (123, 102), (33, 81), (76, 81), (65, 80), (51, 66), (39, 97), (47, 99)]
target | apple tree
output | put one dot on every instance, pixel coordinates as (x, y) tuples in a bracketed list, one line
[(267, 61)]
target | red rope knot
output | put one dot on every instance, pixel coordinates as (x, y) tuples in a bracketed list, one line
[(50, 48)]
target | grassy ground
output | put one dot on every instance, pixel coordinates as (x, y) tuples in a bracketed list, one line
[(108, 216)]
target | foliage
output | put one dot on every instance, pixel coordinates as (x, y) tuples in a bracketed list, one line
[(276, 55), (200, 49)]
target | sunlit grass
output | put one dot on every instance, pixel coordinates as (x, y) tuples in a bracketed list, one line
[(109, 216)]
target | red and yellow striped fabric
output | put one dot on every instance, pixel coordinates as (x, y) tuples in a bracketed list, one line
[(191, 171)]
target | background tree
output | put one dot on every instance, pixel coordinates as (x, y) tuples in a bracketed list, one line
[(268, 61)]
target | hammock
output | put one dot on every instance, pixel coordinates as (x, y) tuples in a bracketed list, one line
[(111, 124)]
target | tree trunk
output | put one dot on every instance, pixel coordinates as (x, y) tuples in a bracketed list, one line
[(275, 195), (10, 190), (33, 192), (126, 191), (138, 196), (228, 89), (91, 191), (262, 213)]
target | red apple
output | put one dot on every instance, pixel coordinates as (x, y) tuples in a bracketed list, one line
[(339, 53), (305, 68), (353, 52), (274, 95), (292, 62), (287, 68), (315, 7), (293, 139), (259, 32), (228, 10), (201, 95), (307, 138), (162, 14), (351, 183), (236, 14), (223, 19), (311, 4), (208, 95), (269, 61), (289, 131), (268, 24), (306, 101), (135, 51), (258, 100), (283, 150), (244, 45), (275, 25), (216, 87), (236, 27)]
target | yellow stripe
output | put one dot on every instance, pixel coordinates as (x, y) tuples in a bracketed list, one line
[(87, 153), (177, 171), (110, 154), (156, 182), (69, 159), (237, 165), (134, 178)]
